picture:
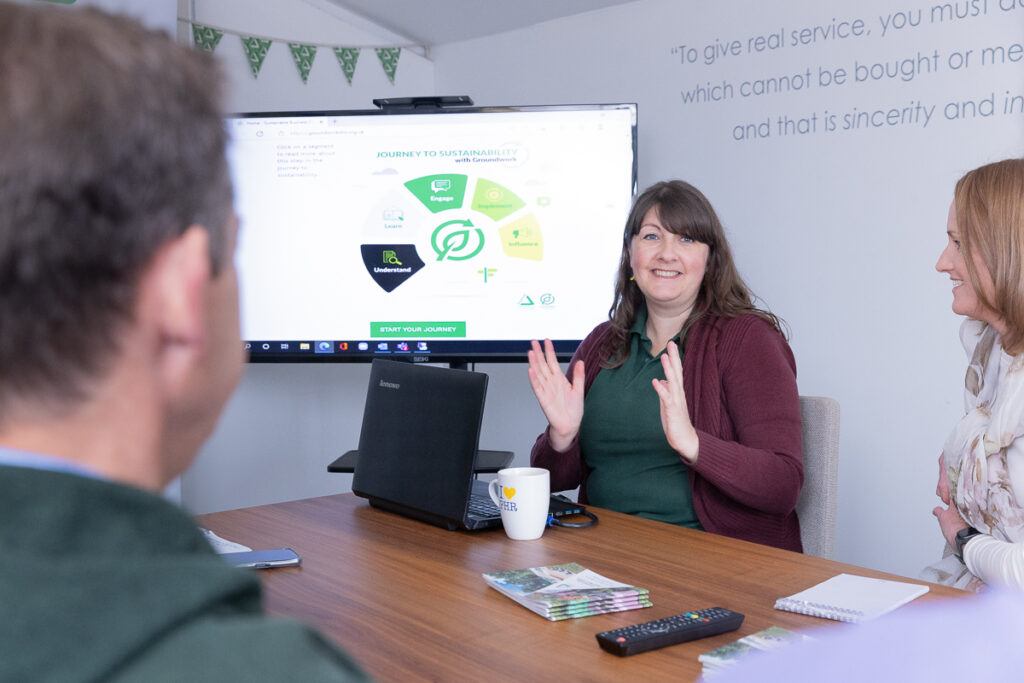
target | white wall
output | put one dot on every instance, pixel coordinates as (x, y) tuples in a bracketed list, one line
[(837, 231), (154, 15)]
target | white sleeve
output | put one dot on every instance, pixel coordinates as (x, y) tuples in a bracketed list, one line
[(995, 562)]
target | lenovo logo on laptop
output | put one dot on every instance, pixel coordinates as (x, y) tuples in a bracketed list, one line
[(390, 385)]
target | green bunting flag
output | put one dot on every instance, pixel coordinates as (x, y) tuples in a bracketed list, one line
[(388, 57), (347, 58), (303, 56), (206, 38), (256, 52)]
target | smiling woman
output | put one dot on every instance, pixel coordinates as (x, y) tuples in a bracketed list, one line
[(668, 269), (981, 469), (683, 406), (965, 299), (677, 209)]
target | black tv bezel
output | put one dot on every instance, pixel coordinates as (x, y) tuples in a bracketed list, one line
[(456, 353)]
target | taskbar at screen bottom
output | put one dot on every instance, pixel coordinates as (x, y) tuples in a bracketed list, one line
[(315, 350)]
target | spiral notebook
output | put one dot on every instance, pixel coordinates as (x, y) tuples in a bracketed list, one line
[(851, 598)]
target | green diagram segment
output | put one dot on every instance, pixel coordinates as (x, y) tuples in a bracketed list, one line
[(522, 239), (495, 201), (439, 192)]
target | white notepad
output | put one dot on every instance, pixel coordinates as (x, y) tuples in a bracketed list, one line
[(846, 597)]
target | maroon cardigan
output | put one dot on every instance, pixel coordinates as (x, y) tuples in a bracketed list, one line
[(740, 381)]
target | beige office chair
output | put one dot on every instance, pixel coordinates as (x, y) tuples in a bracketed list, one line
[(816, 506)]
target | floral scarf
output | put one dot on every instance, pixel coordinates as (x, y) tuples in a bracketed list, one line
[(982, 452)]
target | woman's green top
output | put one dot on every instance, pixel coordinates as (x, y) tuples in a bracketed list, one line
[(634, 470)]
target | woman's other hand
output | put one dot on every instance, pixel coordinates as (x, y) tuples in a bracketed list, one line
[(949, 517), (942, 488), (561, 401), (950, 522), (675, 417)]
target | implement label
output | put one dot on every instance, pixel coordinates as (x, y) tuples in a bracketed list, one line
[(418, 329)]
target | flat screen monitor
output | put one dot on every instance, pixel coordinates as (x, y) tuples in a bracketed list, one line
[(452, 235)]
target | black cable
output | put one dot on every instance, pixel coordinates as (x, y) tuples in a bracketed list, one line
[(555, 521)]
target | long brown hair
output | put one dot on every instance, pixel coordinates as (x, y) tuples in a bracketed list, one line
[(989, 205), (683, 210)]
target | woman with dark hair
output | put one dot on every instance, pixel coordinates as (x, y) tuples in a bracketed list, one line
[(683, 406), (981, 469)]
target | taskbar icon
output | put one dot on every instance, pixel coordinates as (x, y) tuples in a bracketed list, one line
[(279, 347), (322, 347)]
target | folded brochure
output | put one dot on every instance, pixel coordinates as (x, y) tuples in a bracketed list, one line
[(567, 591)]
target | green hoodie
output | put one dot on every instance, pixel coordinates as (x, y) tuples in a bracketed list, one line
[(103, 582)]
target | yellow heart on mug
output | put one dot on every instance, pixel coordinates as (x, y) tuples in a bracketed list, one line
[(508, 491)]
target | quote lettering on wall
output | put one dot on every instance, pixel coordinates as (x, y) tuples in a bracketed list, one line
[(855, 52)]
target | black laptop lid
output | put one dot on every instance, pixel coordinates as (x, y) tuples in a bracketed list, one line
[(421, 428)]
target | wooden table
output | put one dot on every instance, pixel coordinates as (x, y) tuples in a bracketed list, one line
[(407, 600)]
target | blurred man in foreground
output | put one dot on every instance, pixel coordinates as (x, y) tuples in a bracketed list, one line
[(119, 346)]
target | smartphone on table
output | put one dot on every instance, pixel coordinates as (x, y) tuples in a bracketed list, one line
[(264, 559)]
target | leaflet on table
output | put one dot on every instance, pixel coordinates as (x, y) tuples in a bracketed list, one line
[(725, 657), (223, 545), (567, 591)]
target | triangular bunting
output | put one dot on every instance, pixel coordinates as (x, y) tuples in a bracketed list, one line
[(256, 52), (206, 38), (388, 57), (303, 56), (347, 58)]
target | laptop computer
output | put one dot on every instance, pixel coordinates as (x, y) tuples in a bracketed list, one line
[(418, 442)]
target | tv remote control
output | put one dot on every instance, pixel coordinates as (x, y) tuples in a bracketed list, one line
[(631, 640)]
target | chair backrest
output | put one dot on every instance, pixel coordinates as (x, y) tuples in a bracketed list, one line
[(816, 506)]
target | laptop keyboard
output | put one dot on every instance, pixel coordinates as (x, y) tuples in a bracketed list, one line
[(482, 507)]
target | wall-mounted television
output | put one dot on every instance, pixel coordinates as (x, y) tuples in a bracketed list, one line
[(439, 234)]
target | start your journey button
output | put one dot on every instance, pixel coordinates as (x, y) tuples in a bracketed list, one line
[(418, 329)]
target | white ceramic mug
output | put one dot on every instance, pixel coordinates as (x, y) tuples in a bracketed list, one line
[(522, 495)]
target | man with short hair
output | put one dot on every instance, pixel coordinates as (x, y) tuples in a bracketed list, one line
[(119, 346)]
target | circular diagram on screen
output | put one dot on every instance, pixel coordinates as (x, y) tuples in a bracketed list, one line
[(447, 217)]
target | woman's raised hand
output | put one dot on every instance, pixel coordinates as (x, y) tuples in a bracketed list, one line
[(561, 401), (675, 418)]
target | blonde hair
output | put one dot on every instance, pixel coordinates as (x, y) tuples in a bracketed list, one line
[(989, 206)]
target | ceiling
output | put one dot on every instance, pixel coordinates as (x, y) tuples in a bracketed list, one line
[(436, 22)]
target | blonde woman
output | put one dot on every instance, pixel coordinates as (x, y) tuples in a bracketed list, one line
[(981, 469)]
